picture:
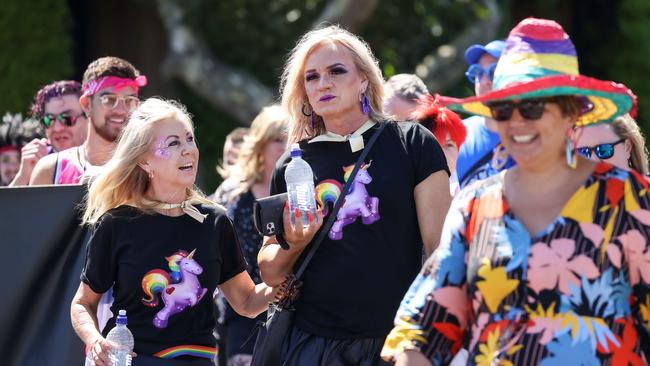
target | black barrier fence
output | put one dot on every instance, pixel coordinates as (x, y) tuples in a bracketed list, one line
[(41, 256)]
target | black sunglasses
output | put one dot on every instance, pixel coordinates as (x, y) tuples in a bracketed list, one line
[(602, 151), (65, 118), (530, 109)]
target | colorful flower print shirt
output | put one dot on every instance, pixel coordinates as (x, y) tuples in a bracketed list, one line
[(576, 294)]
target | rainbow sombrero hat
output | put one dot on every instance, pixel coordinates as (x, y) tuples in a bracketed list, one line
[(541, 61)]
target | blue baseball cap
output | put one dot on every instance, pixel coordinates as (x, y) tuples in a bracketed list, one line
[(474, 52)]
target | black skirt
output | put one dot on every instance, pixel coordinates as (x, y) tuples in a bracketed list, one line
[(301, 348)]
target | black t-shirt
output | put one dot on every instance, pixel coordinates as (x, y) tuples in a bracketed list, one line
[(157, 263), (353, 285)]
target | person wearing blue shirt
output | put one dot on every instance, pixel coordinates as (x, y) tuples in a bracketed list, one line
[(476, 155)]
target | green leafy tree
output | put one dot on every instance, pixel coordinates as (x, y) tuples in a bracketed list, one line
[(35, 49)]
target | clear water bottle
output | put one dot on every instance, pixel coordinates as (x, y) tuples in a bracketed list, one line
[(121, 335), (300, 188)]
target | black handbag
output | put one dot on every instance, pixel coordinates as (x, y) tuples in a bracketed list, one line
[(271, 335)]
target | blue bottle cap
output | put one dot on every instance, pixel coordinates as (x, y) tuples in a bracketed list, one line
[(295, 150), (121, 318)]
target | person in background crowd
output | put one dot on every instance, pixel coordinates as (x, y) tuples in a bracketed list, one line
[(620, 143), (332, 90), (448, 129), (231, 149), (546, 262), (14, 133), (475, 156), (162, 245), (403, 94), (263, 145), (110, 90), (57, 107)]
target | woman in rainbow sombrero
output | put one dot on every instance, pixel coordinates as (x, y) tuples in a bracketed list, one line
[(547, 262)]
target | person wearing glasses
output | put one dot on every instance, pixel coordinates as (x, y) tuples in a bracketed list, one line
[(57, 107), (621, 144), (547, 262), (109, 94), (475, 156)]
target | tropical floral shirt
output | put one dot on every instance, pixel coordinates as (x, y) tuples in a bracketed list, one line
[(575, 294)]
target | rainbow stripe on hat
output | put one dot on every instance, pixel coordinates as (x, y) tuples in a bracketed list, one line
[(188, 350), (540, 60)]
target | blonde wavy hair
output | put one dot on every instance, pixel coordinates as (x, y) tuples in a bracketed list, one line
[(122, 181), (271, 124), (292, 87), (627, 128)]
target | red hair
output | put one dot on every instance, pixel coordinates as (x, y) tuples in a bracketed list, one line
[(440, 121)]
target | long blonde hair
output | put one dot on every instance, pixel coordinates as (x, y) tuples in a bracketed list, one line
[(627, 128), (269, 125), (292, 86), (122, 181)]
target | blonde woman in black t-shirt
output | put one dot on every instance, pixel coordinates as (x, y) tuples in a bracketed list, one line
[(332, 89), (161, 245)]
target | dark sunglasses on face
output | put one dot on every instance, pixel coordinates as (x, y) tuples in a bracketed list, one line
[(530, 109), (602, 151), (111, 101), (475, 72), (65, 118)]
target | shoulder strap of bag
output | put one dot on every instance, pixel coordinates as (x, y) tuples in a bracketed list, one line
[(339, 202)]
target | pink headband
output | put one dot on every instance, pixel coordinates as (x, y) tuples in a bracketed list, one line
[(118, 83)]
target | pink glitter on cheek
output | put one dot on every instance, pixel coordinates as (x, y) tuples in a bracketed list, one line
[(162, 151)]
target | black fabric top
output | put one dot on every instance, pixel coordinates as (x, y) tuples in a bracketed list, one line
[(166, 293), (355, 282)]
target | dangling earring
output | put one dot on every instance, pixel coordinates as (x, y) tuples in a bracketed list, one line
[(310, 115), (365, 104), (571, 147), (151, 175), (499, 157)]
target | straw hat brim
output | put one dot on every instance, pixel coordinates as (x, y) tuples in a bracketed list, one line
[(609, 99)]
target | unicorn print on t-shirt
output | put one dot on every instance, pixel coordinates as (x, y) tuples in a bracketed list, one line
[(357, 202), (179, 289)]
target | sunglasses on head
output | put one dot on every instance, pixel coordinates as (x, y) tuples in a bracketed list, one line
[(476, 72), (602, 151), (65, 118), (530, 109), (111, 101)]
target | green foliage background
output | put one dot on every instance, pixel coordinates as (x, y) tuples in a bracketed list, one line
[(35, 49)]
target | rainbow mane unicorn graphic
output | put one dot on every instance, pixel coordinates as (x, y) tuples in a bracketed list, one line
[(357, 201), (178, 289)]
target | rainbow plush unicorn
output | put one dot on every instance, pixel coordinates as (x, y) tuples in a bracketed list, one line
[(178, 289), (357, 201)]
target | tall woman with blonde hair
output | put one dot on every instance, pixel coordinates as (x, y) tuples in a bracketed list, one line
[(161, 245), (332, 89), (263, 145)]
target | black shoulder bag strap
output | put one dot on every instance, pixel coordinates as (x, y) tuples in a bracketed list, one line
[(339, 203)]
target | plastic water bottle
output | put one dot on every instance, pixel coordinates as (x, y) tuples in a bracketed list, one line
[(121, 335), (300, 188)]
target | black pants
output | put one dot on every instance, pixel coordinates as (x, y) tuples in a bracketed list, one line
[(301, 348)]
